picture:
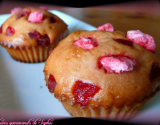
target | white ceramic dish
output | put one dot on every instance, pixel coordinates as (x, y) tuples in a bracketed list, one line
[(22, 86)]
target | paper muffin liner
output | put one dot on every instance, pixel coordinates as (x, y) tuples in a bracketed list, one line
[(112, 113), (33, 54), (122, 113)]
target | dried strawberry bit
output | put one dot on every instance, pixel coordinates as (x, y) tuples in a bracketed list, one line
[(22, 14), (144, 40), (52, 20), (14, 10), (86, 43), (83, 92), (10, 31), (1, 29), (51, 51), (106, 27), (125, 42), (116, 64), (155, 71), (34, 34), (51, 83), (43, 8), (43, 40), (36, 17)]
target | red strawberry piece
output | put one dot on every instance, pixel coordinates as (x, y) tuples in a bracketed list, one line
[(86, 43), (34, 34), (22, 14), (125, 42), (155, 71), (106, 27), (116, 64), (51, 83), (52, 20), (43, 40), (83, 92), (1, 29), (10, 31)]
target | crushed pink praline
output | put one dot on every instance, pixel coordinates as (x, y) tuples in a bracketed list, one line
[(144, 40), (14, 10), (86, 43), (36, 17), (106, 27), (116, 64)]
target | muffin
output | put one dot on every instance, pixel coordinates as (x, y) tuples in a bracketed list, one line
[(30, 33), (105, 74)]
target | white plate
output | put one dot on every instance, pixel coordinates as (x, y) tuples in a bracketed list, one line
[(22, 86)]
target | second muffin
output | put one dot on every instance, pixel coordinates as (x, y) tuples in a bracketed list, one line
[(103, 73), (30, 33)]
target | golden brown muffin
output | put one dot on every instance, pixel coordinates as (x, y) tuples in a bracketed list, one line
[(102, 74), (30, 33)]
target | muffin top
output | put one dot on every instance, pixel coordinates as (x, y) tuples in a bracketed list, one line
[(31, 26), (102, 68)]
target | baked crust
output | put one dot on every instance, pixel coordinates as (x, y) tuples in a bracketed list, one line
[(69, 63)]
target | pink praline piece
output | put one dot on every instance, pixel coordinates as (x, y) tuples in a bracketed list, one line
[(117, 64), (14, 10), (36, 17), (86, 43), (106, 27), (144, 40), (43, 8)]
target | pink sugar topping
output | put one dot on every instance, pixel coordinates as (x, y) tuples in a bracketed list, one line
[(106, 27), (86, 43), (116, 64), (43, 8), (36, 17), (144, 40), (14, 10)]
